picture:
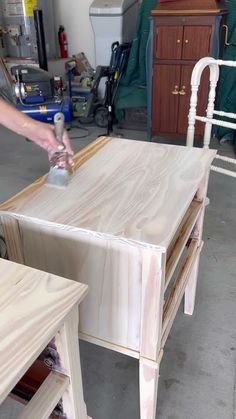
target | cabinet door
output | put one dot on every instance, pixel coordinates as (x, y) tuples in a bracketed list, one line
[(196, 42), (184, 99), (166, 82), (169, 42)]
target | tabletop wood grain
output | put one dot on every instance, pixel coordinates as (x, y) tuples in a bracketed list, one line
[(132, 190)]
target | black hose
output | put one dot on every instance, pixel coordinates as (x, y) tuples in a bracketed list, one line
[(40, 35)]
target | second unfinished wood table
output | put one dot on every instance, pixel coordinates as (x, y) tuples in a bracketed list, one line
[(129, 225), (36, 307)]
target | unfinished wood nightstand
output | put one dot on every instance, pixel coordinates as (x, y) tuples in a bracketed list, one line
[(36, 307), (129, 224)]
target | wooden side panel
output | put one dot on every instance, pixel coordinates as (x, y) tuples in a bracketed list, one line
[(112, 271), (169, 42), (196, 42), (166, 83)]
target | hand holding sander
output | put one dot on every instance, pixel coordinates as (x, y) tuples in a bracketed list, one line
[(59, 173)]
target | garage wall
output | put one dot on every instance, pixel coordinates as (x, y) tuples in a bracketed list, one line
[(74, 15)]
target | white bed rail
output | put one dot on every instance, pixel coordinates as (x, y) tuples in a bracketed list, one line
[(214, 66)]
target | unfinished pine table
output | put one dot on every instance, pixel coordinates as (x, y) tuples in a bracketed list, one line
[(129, 225), (36, 307)]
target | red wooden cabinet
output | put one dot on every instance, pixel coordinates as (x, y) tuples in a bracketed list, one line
[(183, 34)]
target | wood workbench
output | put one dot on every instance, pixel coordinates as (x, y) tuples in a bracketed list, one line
[(129, 225)]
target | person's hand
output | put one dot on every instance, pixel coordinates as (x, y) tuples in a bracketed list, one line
[(43, 135), (40, 133)]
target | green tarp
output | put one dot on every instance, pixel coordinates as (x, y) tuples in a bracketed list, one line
[(227, 84), (132, 92)]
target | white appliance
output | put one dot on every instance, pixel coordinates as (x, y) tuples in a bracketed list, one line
[(112, 20)]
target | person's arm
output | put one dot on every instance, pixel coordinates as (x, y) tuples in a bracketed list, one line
[(40, 133)]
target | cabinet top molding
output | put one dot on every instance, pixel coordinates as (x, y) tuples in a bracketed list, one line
[(134, 192), (190, 7)]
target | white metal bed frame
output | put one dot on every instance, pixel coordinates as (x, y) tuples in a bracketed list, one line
[(214, 66)]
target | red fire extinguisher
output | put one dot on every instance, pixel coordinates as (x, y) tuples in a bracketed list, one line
[(62, 38)]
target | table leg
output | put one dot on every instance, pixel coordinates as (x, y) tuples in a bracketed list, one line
[(67, 345), (190, 290), (148, 385)]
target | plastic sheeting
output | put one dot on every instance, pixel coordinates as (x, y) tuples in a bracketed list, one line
[(132, 92)]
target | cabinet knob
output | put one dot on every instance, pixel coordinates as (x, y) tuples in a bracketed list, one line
[(176, 91), (178, 41), (182, 91), (186, 41)]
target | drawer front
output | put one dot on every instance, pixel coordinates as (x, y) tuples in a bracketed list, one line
[(166, 82), (196, 42), (169, 41)]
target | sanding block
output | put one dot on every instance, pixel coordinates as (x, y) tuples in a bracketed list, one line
[(59, 163)]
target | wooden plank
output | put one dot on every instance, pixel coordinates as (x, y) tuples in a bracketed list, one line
[(181, 237), (153, 278), (176, 294), (46, 398), (108, 345), (33, 305)]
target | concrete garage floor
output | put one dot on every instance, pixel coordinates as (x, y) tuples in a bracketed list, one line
[(198, 371)]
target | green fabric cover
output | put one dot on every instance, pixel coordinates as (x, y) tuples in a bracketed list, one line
[(227, 84), (132, 91)]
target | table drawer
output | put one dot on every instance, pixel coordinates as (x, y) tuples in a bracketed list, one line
[(181, 238)]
